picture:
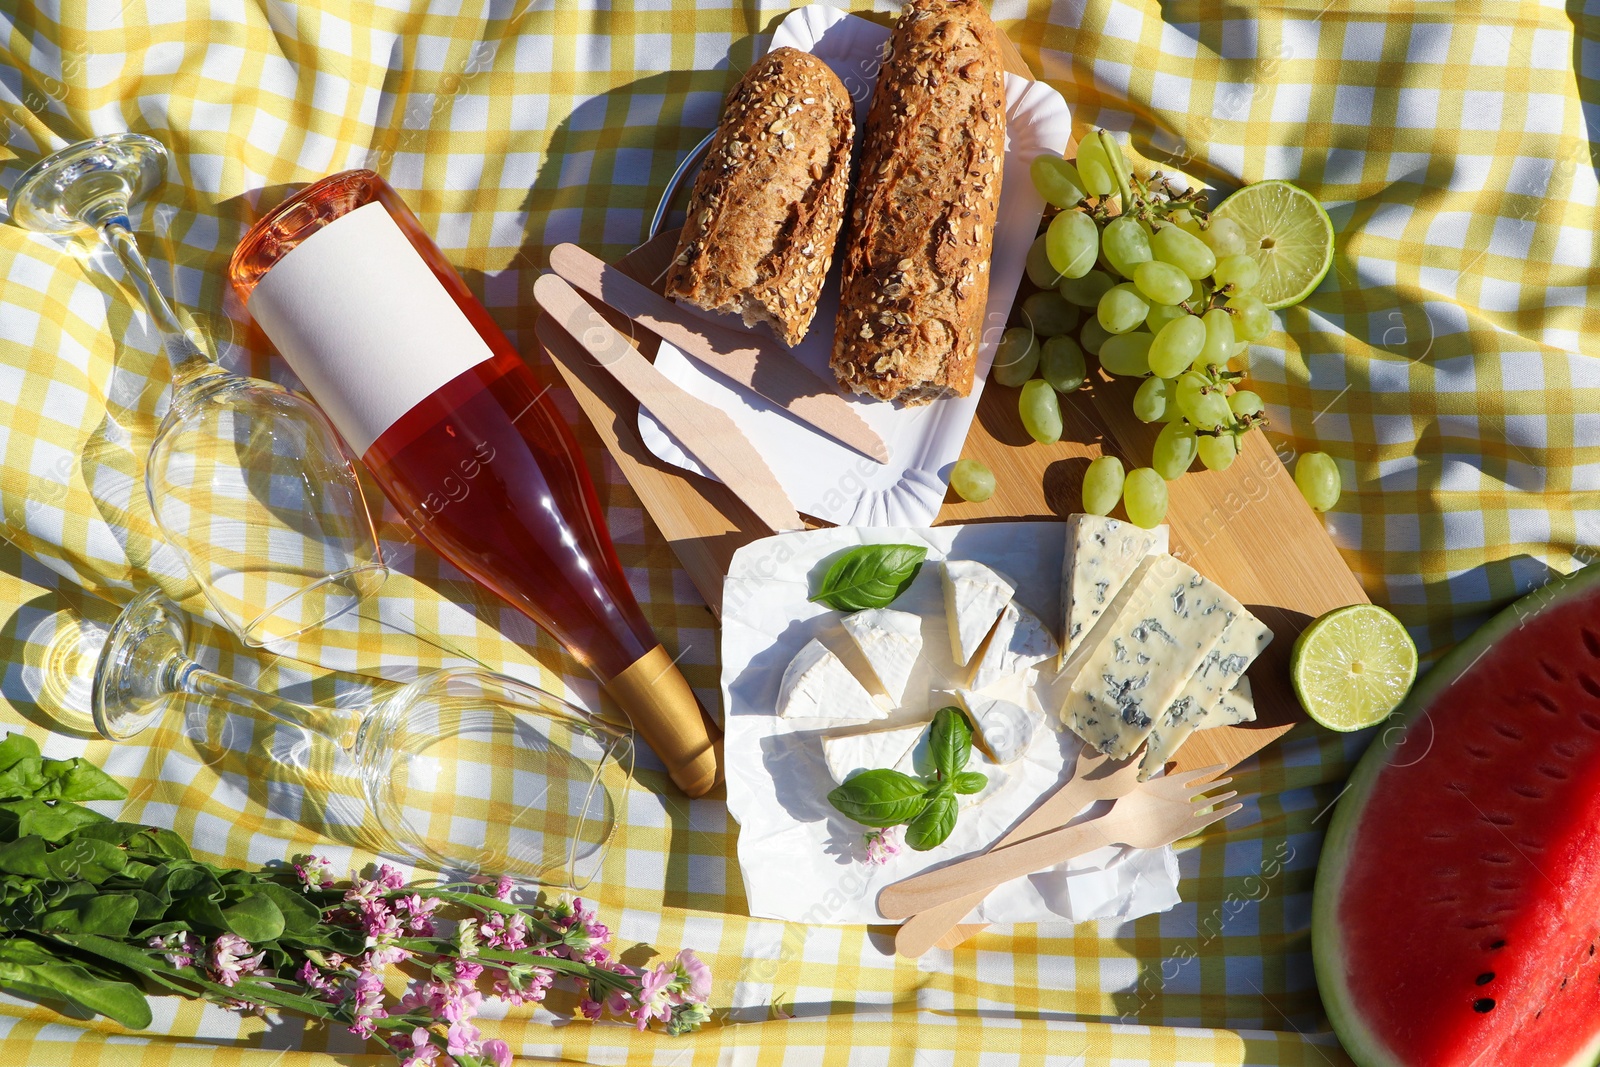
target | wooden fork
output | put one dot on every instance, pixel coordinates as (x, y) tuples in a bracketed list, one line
[(1093, 778), (1158, 813)]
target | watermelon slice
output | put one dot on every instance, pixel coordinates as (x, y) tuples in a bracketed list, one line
[(1457, 911)]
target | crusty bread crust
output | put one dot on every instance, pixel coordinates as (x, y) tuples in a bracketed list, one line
[(916, 260), (767, 207)]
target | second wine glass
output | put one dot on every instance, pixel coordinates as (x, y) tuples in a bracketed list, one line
[(461, 770)]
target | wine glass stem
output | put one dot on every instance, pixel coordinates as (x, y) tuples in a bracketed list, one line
[(187, 357), (338, 725)]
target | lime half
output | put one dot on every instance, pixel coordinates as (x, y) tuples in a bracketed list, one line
[(1352, 667), (1288, 235)]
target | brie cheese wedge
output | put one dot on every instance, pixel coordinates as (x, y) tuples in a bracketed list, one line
[(850, 754), (1004, 727), (817, 685), (974, 597), (891, 642), (1020, 640)]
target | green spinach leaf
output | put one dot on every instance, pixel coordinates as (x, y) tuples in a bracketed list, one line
[(869, 576)]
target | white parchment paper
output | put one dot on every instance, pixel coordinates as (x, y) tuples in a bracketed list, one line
[(802, 861)]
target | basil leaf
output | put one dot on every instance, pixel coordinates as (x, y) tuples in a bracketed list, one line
[(869, 576), (950, 741), (930, 828), (969, 782), (880, 798)]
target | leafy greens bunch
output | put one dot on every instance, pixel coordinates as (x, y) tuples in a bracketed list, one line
[(926, 806), (100, 913)]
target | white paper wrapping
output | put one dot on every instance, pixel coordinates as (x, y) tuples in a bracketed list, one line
[(801, 860), (825, 478)]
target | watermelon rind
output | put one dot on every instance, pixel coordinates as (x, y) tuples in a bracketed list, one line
[(1327, 948)]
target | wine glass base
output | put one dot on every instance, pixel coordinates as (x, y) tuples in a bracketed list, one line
[(131, 680), (51, 195)]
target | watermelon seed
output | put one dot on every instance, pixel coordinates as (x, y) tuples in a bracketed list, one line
[(1486, 977), (1544, 701), (1483, 1005), (1496, 818), (1592, 641), (1479, 752), (1499, 858), (1590, 686), (1532, 792), (1555, 675), (1590, 720), (1552, 772), (1507, 732), (1498, 944)]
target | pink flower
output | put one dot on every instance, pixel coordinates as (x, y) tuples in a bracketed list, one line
[(314, 872), (590, 1009), (369, 1004), (496, 1052), (503, 888), (467, 971), (390, 877), (693, 978), (180, 948), (882, 846), (231, 959), (655, 995), (416, 909), (422, 1052), (313, 977), (509, 932), (462, 1039), (458, 1002), (523, 984)]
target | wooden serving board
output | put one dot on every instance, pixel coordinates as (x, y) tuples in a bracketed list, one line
[(1248, 527)]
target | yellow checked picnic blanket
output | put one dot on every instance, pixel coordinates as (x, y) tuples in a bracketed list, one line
[(1448, 363)]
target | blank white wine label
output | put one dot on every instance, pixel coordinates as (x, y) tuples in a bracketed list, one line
[(364, 323)]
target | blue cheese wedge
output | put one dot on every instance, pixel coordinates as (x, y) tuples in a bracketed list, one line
[(1003, 727), (817, 685), (974, 597), (891, 642), (849, 754), (1019, 640), (919, 762), (1223, 668), (1162, 631), (1236, 706), (1101, 555)]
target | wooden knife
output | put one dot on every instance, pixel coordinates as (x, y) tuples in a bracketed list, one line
[(755, 362), (705, 430)]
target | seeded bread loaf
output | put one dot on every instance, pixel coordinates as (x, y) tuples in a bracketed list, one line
[(916, 258), (766, 209)]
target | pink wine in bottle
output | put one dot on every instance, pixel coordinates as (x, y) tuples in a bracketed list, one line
[(461, 435)]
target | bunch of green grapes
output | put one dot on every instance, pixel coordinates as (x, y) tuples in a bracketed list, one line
[(1170, 292)]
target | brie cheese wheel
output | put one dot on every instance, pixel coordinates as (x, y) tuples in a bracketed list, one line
[(1020, 640), (891, 642), (1004, 727), (850, 754), (974, 597), (817, 685), (1101, 555)]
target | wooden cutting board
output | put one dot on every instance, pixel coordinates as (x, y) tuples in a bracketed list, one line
[(1248, 527)]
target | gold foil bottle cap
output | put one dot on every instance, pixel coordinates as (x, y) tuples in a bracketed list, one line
[(666, 715)]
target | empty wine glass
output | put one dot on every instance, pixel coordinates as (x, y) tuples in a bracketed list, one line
[(462, 769), (246, 480)]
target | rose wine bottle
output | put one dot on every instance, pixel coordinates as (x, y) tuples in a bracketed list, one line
[(461, 435)]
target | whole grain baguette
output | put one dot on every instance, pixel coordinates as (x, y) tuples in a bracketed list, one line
[(916, 259), (766, 209)]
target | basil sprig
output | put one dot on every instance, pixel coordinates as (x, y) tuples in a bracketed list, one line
[(869, 576), (927, 807)]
